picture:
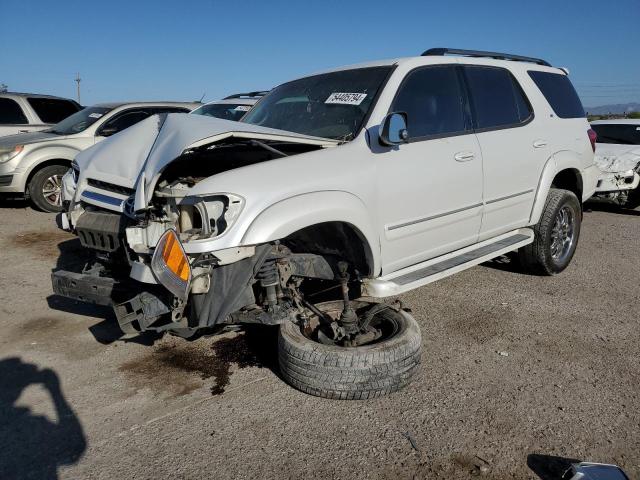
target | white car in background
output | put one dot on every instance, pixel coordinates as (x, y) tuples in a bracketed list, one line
[(618, 157), (30, 112), (232, 107), (33, 164)]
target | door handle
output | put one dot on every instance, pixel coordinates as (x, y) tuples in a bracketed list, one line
[(23, 131), (539, 144), (464, 156)]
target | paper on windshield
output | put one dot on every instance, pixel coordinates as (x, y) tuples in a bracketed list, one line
[(344, 98)]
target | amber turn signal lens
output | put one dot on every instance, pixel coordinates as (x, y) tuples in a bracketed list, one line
[(170, 265)]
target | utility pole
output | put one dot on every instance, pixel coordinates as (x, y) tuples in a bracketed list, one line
[(78, 80)]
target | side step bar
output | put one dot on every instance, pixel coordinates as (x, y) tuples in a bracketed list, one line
[(440, 267)]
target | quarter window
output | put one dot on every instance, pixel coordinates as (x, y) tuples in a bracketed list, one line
[(11, 113), (433, 101), (497, 100), (557, 89)]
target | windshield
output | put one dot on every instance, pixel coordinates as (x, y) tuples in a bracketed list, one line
[(227, 111), (332, 105), (79, 121)]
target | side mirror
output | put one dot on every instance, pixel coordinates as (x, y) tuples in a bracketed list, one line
[(393, 129), (107, 131)]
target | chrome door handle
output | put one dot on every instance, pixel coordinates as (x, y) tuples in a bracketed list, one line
[(539, 144), (464, 156)]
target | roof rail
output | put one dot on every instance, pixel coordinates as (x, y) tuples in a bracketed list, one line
[(249, 94), (480, 53)]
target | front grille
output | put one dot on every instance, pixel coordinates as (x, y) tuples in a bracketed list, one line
[(110, 187), (101, 230)]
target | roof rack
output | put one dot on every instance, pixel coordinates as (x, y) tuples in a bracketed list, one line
[(249, 94), (480, 53)]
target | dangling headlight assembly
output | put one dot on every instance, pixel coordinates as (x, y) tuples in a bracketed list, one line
[(207, 216), (170, 265)]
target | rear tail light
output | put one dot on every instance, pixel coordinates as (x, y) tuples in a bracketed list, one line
[(592, 138), (171, 265)]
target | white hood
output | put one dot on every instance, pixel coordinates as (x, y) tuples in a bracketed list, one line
[(135, 157)]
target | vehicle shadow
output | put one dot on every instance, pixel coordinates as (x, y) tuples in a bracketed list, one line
[(507, 263), (609, 207), (33, 446), (549, 467), (14, 203)]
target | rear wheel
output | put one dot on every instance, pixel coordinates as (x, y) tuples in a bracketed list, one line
[(45, 188), (556, 235), (314, 364)]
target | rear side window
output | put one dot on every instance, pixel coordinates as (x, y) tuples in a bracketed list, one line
[(620, 134), (560, 94), (11, 113), (52, 110), (433, 100), (497, 100)]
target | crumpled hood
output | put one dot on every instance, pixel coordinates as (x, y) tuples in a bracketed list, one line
[(135, 157), (617, 160), (10, 141)]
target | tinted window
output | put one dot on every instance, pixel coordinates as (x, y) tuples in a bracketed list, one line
[(155, 110), (125, 120), (560, 94), (620, 134), (496, 98), (11, 113), (226, 111), (433, 100), (51, 110)]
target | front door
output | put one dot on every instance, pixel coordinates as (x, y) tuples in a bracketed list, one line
[(430, 189)]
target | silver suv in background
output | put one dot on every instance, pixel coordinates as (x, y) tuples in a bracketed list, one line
[(30, 112), (232, 107), (33, 164)]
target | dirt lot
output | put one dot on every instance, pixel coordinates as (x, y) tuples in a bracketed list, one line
[(517, 370)]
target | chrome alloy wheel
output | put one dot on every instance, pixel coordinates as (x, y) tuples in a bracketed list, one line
[(52, 190), (563, 234)]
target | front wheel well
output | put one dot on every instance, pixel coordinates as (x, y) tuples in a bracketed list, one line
[(40, 166), (337, 239), (569, 179)]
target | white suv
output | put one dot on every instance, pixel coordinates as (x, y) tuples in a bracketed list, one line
[(30, 112), (233, 107), (364, 181)]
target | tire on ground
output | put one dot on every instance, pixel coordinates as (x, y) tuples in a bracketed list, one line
[(633, 200), (536, 257), (350, 373), (37, 182)]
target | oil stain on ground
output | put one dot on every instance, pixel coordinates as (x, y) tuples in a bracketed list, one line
[(49, 245), (179, 367)]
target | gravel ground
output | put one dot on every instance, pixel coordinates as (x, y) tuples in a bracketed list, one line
[(519, 374)]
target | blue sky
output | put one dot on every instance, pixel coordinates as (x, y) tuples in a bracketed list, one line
[(143, 50)]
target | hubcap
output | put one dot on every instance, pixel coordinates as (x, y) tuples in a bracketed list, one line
[(52, 190), (563, 234)]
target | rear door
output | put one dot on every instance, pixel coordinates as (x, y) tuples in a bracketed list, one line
[(514, 149), (430, 189)]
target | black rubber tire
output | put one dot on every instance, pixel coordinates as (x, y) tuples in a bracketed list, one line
[(37, 182), (536, 257), (350, 373), (633, 200)]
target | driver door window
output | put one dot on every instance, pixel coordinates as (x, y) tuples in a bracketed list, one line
[(122, 121)]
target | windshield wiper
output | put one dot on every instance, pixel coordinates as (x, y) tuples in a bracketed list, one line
[(267, 147)]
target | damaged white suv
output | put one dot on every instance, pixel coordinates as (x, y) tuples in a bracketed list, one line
[(334, 190)]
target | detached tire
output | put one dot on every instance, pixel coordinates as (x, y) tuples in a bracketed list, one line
[(556, 235), (45, 188), (351, 373)]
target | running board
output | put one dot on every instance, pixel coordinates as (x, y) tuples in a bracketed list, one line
[(440, 267)]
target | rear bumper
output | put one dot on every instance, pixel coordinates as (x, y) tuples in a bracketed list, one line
[(590, 176)]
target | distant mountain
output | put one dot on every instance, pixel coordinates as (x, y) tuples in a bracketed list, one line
[(616, 108)]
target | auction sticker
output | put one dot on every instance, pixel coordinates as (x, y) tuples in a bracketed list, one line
[(95, 115), (346, 98), (242, 108)]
